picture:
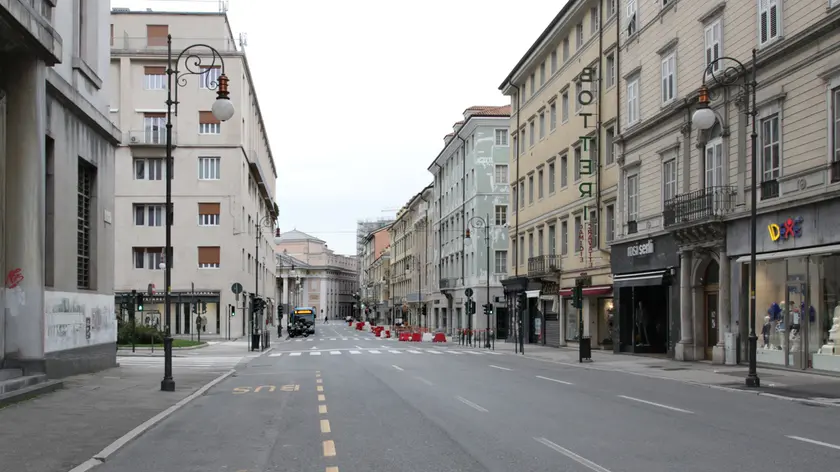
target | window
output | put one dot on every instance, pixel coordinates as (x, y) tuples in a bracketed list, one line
[(632, 17), (148, 169), (209, 214), (564, 237), (209, 257), (530, 244), (578, 229), (713, 36), (500, 174), (553, 61), (835, 121), (501, 137), (522, 194), (521, 250), (564, 104), (156, 35), (154, 77), (669, 70), (209, 168), (501, 215), (609, 142), (565, 49), (530, 189), (633, 197), (771, 153), (515, 144), (578, 36), (540, 242), (148, 215), (149, 258), (578, 88), (593, 20), (532, 128), (610, 69), (609, 222), (208, 124), (209, 78), (154, 128), (612, 7), (593, 227), (633, 101), (552, 116), (714, 163), (669, 179), (501, 262), (552, 175), (542, 125), (542, 74), (540, 192), (577, 163), (769, 21), (533, 84), (552, 240), (86, 217), (564, 170)]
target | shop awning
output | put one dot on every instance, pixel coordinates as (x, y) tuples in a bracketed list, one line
[(640, 279), (589, 291), (808, 251)]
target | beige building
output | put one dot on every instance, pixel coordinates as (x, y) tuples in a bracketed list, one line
[(223, 178), (311, 274), (374, 295), (563, 173), (411, 266)]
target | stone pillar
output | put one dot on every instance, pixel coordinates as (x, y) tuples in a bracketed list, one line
[(718, 353), (685, 347), (25, 211)]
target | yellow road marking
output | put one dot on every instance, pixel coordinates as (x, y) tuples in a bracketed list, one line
[(325, 426), (320, 388), (329, 448), (332, 469), (322, 398), (322, 409), (317, 371), (319, 381)]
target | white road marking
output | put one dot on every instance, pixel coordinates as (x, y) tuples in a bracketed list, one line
[(499, 367), (298, 340), (414, 352), (455, 352), (314, 347), (424, 381), (471, 404), (276, 355), (672, 408), (554, 380), (315, 353), (374, 351), (432, 351), (332, 339), (310, 340), (294, 354), (344, 339), (571, 455), (335, 353), (473, 352), (359, 347), (814, 441), (355, 352), (397, 367), (394, 352)]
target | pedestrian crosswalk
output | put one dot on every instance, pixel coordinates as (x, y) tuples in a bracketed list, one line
[(348, 338), (221, 363), (383, 350)]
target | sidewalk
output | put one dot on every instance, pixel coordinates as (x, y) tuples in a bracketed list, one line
[(774, 381)]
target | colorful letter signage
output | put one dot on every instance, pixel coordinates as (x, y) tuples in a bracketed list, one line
[(790, 228)]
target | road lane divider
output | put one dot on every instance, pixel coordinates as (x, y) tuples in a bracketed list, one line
[(322, 409), (471, 404), (815, 442), (660, 405), (332, 469), (325, 426), (571, 455), (322, 398), (397, 367), (329, 448), (424, 381), (319, 388), (499, 367), (554, 380)]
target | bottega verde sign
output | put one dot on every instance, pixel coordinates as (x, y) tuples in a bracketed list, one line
[(587, 189)]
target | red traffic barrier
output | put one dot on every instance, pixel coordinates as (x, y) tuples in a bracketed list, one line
[(439, 338), (405, 336), (377, 332), (416, 337), (388, 333), (359, 326)]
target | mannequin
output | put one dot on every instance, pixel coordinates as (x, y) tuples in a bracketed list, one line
[(641, 324), (833, 344), (765, 333)]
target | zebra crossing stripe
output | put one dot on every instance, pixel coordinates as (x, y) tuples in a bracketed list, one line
[(374, 351), (394, 352), (295, 354), (335, 353), (414, 352), (355, 352), (315, 353)]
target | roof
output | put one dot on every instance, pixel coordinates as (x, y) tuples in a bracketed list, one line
[(503, 110), (285, 260), (476, 111), (295, 235)]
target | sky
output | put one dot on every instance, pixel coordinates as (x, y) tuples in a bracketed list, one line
[(357, 95)]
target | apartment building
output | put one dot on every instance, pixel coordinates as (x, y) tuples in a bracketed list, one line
[(371, 304), (682, 249), (410, 271), (56, 177), (311, 274), (564, 94), (471, 184), (364, 228), (223, 178)]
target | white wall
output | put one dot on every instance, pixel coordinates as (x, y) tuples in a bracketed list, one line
[(75, 320)]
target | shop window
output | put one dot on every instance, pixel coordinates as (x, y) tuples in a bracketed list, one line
[(571, 320), (770, 277)]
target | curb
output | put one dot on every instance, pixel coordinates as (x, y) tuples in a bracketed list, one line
[(188, 348), (135, 433)]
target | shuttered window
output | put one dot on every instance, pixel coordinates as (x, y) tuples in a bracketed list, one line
[(209, 257), (208, 214), (156, 35), (208, 124)]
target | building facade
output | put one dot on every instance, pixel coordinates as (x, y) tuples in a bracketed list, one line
[(223, 174), (313, 275), (685, 183), (563, 175), (56, 160), (363, 229), (470, 186), (409, 235), (372, 305)]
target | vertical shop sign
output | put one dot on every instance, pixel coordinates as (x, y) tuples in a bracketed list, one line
[(585, 97)]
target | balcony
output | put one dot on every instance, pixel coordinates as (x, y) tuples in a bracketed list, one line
[(697, 216), (543, 265), (127, 44), (155, 137), (835, 171), (448, 284)]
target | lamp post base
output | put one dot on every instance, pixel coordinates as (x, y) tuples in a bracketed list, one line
[(752, 379), (168, 383)]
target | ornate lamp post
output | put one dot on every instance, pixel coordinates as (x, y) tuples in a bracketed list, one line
[(478, 222), (726, 72)]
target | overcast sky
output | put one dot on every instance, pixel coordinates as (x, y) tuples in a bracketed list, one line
[(357, 95)]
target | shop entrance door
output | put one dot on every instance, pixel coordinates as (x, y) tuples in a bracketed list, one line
[(795, 334), (711, 322)]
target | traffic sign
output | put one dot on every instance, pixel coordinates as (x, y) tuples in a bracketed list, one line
[(236, 288), (468, 292)]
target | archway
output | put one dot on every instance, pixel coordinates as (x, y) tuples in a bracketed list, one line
[(711, 318)]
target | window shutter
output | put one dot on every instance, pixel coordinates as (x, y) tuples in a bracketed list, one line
[(207, 118), (157, 34), (209, 208), (209, 255), (154, 70)]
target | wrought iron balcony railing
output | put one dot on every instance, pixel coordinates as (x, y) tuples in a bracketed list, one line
[(543, 265), (448, 283), (699, 206)]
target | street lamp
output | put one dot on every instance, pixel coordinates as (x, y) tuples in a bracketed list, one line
[(478, 222), (266, 222), (727, 75), (223, 110)]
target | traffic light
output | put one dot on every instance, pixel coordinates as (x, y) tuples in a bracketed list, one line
[(520, 302), (232, 311), (577, 296), (488, 309), (280, 311), (139, 302)]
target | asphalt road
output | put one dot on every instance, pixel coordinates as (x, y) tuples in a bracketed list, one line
[(424, 408)]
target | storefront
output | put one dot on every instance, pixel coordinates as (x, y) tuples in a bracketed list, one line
[(797, 286), (646, 292)]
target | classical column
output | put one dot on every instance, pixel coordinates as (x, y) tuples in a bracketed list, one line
[(685, 348), (25, 210), (718, 354)]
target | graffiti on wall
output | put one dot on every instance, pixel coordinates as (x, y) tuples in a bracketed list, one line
[(16, 297), (75, 320)]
